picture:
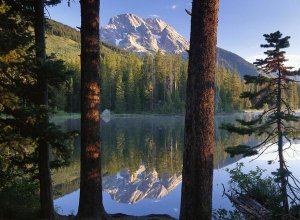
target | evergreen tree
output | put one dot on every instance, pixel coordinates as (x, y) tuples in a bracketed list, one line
[(146, 83), (90, 201), (293, 96), (275, 122), (26, 132), (47, 207), (120, 96), (196, 198), (46, 194), (158, 76), (236, 89)]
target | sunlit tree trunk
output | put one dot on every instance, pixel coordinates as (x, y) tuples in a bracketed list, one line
[(90, 202), (196, 200), (46, 200)]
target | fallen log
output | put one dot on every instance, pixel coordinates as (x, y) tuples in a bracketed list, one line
[(249, 207)]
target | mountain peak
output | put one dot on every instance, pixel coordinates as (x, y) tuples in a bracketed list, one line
[(157, 24), (125, 19), (136, 34)]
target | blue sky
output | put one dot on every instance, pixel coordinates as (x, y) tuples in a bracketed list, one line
[(241, 22)]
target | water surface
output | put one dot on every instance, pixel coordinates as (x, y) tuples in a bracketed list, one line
[(142, 162)]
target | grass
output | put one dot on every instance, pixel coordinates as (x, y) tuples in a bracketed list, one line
[(66, 174), (65, 49)]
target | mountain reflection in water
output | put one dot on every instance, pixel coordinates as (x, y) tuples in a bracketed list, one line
[(141, 164), (126, 187)]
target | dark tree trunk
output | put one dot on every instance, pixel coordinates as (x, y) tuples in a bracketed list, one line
[(196, 199), (46, 200), (90, 202), (282, 169)]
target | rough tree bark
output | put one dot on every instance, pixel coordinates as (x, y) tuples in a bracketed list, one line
[(46, 200), (90, 202), (196, 200)]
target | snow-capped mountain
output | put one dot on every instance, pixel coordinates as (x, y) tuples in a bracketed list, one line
[(139, 35), (132, 187), (135, 34)]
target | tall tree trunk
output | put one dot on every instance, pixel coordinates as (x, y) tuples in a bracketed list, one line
[(196, 199), (282, 169), (46, 200), (90, 202)]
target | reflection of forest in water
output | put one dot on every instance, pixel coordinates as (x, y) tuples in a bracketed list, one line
[(142, 156)]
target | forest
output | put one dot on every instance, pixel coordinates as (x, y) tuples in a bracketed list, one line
[(141, 84), (166, 134)]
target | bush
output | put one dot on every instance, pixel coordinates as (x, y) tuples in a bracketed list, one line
[(19, 200), (264, 190)]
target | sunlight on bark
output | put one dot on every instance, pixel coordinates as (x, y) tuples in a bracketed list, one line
[(93, 151), (93, 115), (93, 96)]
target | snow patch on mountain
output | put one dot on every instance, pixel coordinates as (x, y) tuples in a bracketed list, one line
[(136, 34)]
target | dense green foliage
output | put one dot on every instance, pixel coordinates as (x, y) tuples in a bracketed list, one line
[(130, 84), (19, 200), (254, 185), (134, 84), (22, 119), (258, 186)]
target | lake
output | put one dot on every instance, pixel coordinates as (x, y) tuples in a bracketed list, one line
[(142, 162)]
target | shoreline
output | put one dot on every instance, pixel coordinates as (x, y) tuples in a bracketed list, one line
[(65, 115), (126, 217)]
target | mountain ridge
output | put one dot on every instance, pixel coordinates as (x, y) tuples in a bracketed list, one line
[(148, 35), (224, 57), (139, 35)]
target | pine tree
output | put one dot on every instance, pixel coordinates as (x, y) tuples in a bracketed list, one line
[(90, 202), (293, 96), (275, 122), (159, 78), (236, 89), (26, 132), (120, 96), (196, 198), (47, 207)]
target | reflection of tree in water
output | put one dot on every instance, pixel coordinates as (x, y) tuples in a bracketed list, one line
[(157, 144), (224, 139), (153, 142)]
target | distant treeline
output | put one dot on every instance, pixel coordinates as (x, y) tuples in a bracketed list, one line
[(139, 84)]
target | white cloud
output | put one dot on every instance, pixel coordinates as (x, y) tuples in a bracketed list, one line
[(253, 58), (154, 16), (293, 59), (174, 6)]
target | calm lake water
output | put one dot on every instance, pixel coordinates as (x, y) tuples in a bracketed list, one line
[(142, 162)]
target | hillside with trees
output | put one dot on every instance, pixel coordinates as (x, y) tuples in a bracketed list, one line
[(48, 69), (139, 84)]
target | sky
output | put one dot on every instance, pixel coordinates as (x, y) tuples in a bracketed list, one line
[(242, 23)]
